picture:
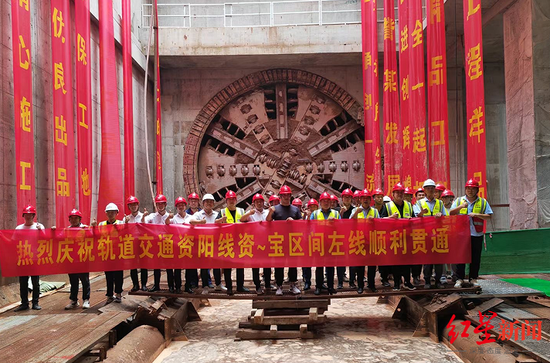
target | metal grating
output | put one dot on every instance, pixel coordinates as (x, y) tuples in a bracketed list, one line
[(499, 288)]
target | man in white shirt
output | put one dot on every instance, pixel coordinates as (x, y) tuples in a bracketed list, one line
[(29, 212), (159, 217), (258, 214), (208, 216), (114, 278), (174, 275), (136, 216)]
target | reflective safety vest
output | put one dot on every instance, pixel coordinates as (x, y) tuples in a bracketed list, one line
[(318, 214), (372, 213), (407, 209), (104, 223), (479, 207), (438, 207), (238, 214)]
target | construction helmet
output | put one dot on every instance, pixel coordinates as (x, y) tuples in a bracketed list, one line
[(366, 193), (440, 187), (273, 198), (208, 197), (131, 199), (285, 189), (357, 194), (324, 196), (193, 196), (447, 193), (75, 212), (472, 183), (258, 196), (160, 199), (180, 200), (29, 210), (312, 202), (333, 197), (377, 191), (230, 194), (347, 192), (428, 183), (398, 188), (111, 207), (419, 190), (409, 191), (297, 202)]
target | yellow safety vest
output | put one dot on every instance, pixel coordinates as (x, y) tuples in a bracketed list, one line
[(238, 214), (407, 209), (104, 223), (372, 213), (318, 214), (438, 207), (479, 207)]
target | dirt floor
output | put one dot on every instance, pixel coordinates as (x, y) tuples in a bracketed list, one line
[(357, 330)]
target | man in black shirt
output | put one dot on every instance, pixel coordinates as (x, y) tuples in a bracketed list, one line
[(345, 213), (285, 212)]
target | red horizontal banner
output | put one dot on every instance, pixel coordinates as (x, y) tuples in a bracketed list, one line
[(261, 244)]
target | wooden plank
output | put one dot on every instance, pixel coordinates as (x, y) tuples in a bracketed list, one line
[(291, 320), (70, 345), (245, 334), (259, 317), (273, 330), (486, 305), (303, 329), (290, 304), (32, 328), (313, 314)]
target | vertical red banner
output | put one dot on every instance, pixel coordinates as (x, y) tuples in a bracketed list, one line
[(475, 94), (22, 104), (84, 108), (405, 81), (438, 119), (392, 146), (110, 182), (63, 111), (369, 27), (159, 120), (129, 179), (417, 104)]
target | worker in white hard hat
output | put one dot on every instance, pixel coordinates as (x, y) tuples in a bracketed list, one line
[(208, 215), (114, 278)]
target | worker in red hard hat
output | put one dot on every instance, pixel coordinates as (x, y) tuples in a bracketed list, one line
[(232, 214), (258, 213), (479, 211), (419, 194), (345, 213), (311, 206), (325, 213), (29, 212), (357, 198), (439, 189), (194, 207), (285, 211), (75, 221), (399, 208), (297, 202), (174, 275), (136, 216), (408, 194), (378, 196), (159, 217), (448, 197), (365, 211), (335, 203), (274, 200)]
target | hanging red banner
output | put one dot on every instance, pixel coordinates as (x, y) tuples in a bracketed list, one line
[(347, 242), (404, 81), (22, 104), (438, 119), (475, 94), (159, 120), (392, 145), (369, 27), (110, 182), (417, 91), (129, 179), (65, 199), (84, 108)]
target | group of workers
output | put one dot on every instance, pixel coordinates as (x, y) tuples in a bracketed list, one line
[(429, 201)]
